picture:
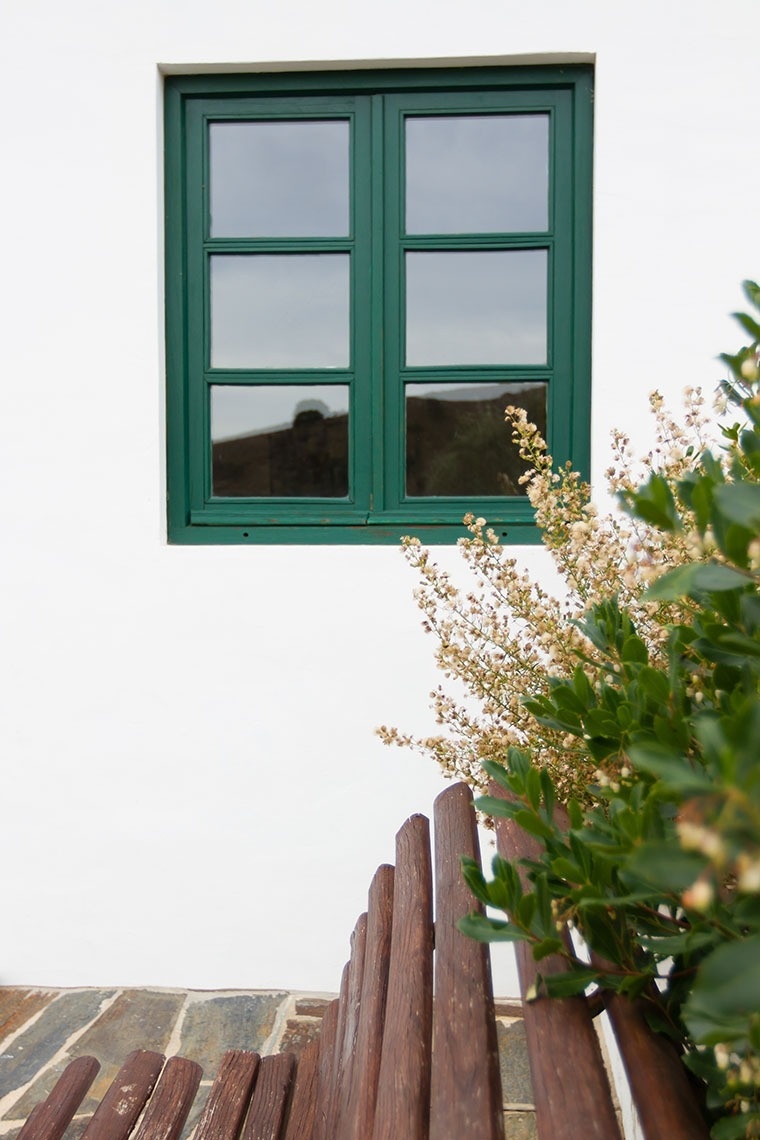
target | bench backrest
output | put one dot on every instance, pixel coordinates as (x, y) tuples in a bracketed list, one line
[(408, 1051)]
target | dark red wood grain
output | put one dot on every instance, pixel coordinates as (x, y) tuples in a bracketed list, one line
[(466, 1084), (51, 1118), (403, 1096)]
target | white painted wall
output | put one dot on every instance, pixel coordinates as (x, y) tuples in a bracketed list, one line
[(192, 793)]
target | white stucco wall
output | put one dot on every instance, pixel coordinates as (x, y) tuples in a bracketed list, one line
[(191, 791)]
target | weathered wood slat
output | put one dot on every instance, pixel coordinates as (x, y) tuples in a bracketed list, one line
[(300, 1121), (336, 1073), (571, 1088), (270, 1098), (127, 1095), (172, 1099), (403, 1093), (326, 1071), (230, 1096), (51, 1118), (660, 1087), (359, 1118), (466, 1084), (351, 1026)]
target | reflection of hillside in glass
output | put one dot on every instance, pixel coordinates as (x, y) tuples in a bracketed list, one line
[(306, 460), (457, 442)]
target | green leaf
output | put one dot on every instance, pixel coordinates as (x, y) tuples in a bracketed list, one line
[(752, 292), (565, 869), (655, 684), (695, 579), (495, 806), (689, 942), (740, 502), (546, 947), (533, 788), (726, 993), (598, 722), (654, 503), (497, 772), (526, 909), (566, 698), (571, 983), (734, 1127), (750, 326), (485, 929), (670, 766), (735, 543), (634, 649), (533, 824), (668, 867), (575, 812)]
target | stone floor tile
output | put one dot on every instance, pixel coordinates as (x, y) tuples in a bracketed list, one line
[(518, 1126), (312, 1007), (18, 1005), (508, 1007), (513, 1062), (138, 1019), (230, 1021), (36, 1046), (298, 1032)]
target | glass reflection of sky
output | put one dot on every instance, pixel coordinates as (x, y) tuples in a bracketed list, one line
[(241, 411), (486, 307), (279, 179), (465, 393), (280, 310), (477, 173)]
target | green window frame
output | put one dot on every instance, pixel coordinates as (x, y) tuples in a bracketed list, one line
[(377, 272)]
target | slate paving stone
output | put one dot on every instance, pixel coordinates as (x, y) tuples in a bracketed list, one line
[(513, 1063), (518, 1126), (18, 1005), (138, 1019), (234, 1021), (312, 1007), (36, 1046), (298, 1032)]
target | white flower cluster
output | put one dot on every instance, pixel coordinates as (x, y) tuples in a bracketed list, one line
[(507, 636)]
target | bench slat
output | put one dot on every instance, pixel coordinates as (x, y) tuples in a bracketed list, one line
[(570, 1084), (359, 1118), (50, 1119), (230, 1096), (270, 1098), (326, 1071), (466, 1084), (403, 1095), (660, 1087), (171, 1102), (300, 1120), (127, 1095), (351, 1024)]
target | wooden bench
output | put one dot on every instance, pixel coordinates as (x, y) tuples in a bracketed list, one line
[(408, 1051)]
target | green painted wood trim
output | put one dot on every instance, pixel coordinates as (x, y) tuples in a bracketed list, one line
[(376, 102)]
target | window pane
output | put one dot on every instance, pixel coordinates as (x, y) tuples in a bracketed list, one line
[(476, 308), (287, 440), (457, 442), (280, 310), (477, 174), (279, 179)]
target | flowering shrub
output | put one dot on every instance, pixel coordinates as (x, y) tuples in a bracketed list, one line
[(644, 720), (507, 636)]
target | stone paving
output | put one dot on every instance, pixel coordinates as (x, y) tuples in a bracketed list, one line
[(41, 1030)]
